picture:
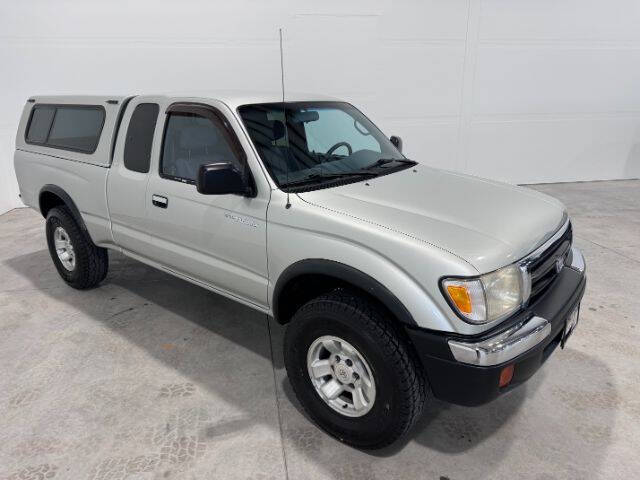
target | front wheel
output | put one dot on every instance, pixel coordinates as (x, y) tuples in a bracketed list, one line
[(353, 371)]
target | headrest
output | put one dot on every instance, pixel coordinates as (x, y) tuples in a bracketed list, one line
[(269, 129), (197, 136), (278, 129)]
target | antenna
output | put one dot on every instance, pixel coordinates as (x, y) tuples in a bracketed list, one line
[(284, 113)]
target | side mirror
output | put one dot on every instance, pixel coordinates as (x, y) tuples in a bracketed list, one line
[(397, 142), (221, 179)]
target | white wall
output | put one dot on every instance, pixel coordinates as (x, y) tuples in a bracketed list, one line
[(517, 90)]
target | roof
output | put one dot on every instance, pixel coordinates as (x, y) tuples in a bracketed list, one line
[(76, 99), (233, 98)]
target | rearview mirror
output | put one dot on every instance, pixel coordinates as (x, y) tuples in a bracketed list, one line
[(305, 117), (397, 142), (221, 179)]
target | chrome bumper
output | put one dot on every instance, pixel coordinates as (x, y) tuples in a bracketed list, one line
[(504, 346), (577, 260), (516, 340)]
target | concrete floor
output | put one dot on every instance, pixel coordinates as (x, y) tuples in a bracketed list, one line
[(150, 377)]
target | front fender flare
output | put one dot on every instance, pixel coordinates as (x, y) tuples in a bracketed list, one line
[(346, 274)]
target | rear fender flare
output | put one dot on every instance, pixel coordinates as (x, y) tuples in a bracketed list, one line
[(67, 201)]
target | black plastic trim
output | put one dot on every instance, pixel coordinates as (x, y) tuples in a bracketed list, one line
[(66, 198), (346, 274), (340, 181), (221, 179)]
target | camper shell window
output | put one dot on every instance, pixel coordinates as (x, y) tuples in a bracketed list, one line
[(68, 127)]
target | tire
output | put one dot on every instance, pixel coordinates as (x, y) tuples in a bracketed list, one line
[(90, 263), (400, 384)]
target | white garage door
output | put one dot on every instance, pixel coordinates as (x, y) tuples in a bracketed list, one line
[(518, 90)]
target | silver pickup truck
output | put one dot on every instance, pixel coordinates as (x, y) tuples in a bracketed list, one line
[(397, 281)]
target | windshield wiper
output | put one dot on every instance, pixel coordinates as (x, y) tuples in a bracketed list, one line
[(327, 176), (385, 161)]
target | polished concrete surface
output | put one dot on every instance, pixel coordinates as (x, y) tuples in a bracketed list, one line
[(150, 377)]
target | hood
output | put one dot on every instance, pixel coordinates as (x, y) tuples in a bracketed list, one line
[(488, 224)]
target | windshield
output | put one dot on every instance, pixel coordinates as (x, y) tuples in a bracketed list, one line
[(321, 140)]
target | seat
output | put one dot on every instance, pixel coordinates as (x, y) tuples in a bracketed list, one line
[(266, 133), (196, 145)]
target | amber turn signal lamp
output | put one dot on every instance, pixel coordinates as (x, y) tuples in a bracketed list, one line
[(459, 294), (506, 375)]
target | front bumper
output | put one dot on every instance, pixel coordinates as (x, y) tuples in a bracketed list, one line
[(466, 369)]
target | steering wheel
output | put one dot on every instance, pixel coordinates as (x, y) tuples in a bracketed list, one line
[(337, 146)]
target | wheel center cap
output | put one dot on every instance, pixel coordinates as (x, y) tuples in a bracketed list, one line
[(343, 373)]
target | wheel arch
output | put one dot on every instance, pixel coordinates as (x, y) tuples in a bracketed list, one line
[(51, 196), (306, 279)]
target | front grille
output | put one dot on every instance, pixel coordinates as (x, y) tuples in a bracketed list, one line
[(544, 269)]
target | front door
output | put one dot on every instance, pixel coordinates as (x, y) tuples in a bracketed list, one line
[(219, 240)]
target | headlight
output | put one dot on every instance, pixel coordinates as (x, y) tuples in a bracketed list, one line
[(488, 297)]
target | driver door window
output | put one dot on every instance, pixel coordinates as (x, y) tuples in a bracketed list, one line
[(191, 140)]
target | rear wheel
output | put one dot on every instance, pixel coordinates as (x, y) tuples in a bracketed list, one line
[(353, 371), (78, 260)]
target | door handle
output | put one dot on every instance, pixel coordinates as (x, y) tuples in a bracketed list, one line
[(160, 201)]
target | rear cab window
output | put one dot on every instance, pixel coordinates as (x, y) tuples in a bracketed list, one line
[(67, 127)]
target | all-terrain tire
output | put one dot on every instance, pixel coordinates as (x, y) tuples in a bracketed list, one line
[(401, 387), (90, 263)]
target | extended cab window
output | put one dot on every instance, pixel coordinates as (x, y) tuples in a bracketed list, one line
[(191, 140), (137, 149), (69, 127)]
